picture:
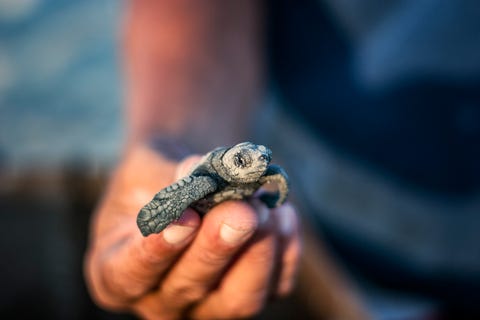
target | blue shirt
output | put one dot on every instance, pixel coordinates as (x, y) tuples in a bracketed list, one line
[(396, 84)]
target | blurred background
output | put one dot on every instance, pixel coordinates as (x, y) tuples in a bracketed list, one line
[(398, 204), (60, 132)]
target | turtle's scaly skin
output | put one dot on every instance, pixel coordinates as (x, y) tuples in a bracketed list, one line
[(227, 173)]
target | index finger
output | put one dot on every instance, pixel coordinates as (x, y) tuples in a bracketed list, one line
[(135, 264)]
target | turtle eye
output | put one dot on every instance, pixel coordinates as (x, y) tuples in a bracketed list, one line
[(240, 161)]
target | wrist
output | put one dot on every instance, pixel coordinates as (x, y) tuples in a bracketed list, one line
[(170, 148)]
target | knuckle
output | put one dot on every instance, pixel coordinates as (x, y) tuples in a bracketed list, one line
[(103, 297), (107, 302), (110, 290), (237, 308), (187, 292), (115, 282), (131, 291), (195, 293), (210, 257), (96, 284)]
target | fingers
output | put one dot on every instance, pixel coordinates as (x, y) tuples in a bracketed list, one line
[(225, 229), (231, 282), (127, 265), (274, 248), (134, 266), (233, 252), (291, 248), (246, 285)]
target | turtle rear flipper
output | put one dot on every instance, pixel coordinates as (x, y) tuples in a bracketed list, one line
[(169, 204)]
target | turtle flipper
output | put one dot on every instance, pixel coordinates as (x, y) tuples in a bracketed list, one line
[(275, 174), (169, 204)]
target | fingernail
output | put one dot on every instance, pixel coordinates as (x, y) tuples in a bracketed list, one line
[(263, 214), (175, 234), (232, 235), (287, 220), (262, 211)]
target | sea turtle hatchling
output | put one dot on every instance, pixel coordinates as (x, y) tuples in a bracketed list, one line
[(226, 173)]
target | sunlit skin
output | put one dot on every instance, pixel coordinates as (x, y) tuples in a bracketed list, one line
[(187, 269)]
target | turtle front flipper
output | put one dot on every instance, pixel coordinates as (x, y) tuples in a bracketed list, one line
[(169, 204), (275, 174)]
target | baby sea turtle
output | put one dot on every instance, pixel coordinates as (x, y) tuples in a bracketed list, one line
[(226, 173)]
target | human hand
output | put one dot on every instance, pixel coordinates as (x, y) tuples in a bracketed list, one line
[(226, 265)]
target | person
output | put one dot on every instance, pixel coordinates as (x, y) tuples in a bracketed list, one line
[(389, 132), (193, 75)]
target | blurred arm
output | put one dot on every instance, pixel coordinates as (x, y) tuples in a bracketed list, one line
[(194, 69)]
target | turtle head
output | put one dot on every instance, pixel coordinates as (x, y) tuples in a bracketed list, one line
[(244, 163)]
